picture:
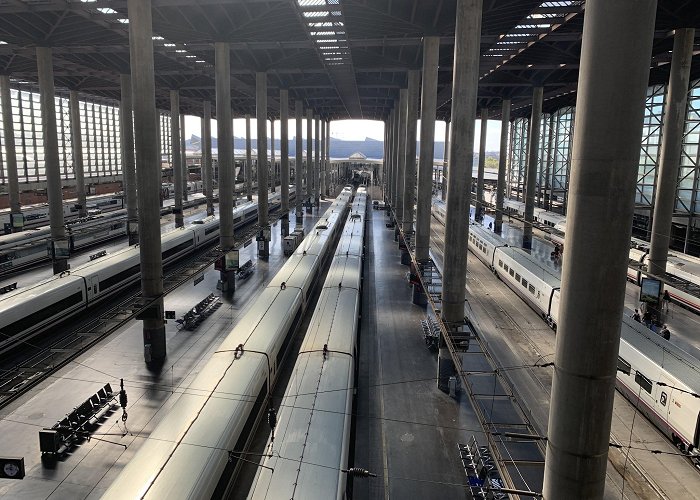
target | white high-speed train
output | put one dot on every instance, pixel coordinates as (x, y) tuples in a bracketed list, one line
[(315, 416), (192, 451), (27, 248), (38, 215), (645, 359), (27, 312), (684, 266)]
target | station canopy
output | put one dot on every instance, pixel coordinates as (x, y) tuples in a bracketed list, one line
[(343, 58)]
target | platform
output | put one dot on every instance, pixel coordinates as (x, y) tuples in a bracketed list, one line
[(518, 337), (407, 430), (91, 466)]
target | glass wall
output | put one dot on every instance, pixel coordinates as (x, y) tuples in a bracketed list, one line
[(100, 133), (518, 158)]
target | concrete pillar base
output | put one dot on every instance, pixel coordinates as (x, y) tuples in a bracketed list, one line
[(133, 238), (284, 226), (527, 240), (60, 265), (154, 349), (419, 297), (263, 249), (309, 208), (446, 369), (405, 257), (396, 232), (228, 282), (179, 220), (210, 209), (317, 201)]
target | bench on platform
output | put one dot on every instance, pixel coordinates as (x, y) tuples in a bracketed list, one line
[(78, 423)]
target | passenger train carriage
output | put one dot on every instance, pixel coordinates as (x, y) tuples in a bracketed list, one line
[(38, 215), (683, 266), (315, 416), (32, 246), (29, 311), (645, 359), (190, 454)]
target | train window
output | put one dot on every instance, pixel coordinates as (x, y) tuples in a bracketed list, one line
[(505, 266), (177, 249), (107, 283), (512, 272), (517, 277), (500, 263), (524, 282), (623, 365), (37, 317), (643, 382), (663, 399), (531, 289)]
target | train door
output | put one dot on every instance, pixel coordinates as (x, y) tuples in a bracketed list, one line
[(93, 283)]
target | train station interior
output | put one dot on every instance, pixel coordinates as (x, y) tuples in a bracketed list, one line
[(256, 308)]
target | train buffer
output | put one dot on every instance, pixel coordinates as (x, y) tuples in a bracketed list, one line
[(78, 424)]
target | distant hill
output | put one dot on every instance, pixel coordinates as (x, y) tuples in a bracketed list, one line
[(371, 148)]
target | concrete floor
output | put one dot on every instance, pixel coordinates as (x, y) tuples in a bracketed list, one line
[(517, 336), (90, 467), (407, 430)]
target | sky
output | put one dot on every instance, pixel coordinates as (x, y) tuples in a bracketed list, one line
[(348, 130)]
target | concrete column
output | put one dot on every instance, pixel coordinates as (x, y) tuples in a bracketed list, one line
[(431, 54), (389, 161), (461, 141), (395, 157), (317, 159), (401, 156), (176, 157), (394, 171), (10, 151), (248, 174), (309, 155), (53, 170), (148, 176), (273, 167), (550, 161), (284, 150), (328, 156), (613, 79), (77, 150), (299, 162), (183, 157), (322, 168), (224, 127), (409, 185), (261, 115), (502, 164), (671, 147), (482, 162), (445, 162), (206, 158), (126, 126), (533, 144)]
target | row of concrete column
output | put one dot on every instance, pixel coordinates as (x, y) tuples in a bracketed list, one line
[(613, 77)]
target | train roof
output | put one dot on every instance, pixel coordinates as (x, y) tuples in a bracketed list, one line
[(674, 360), (20, 239), (490, 237), (20, 295), (533, 265)]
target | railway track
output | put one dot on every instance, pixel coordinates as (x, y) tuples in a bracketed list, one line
[(38, 362)]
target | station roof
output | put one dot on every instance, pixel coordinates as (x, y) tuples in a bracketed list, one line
[(344, 58)]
